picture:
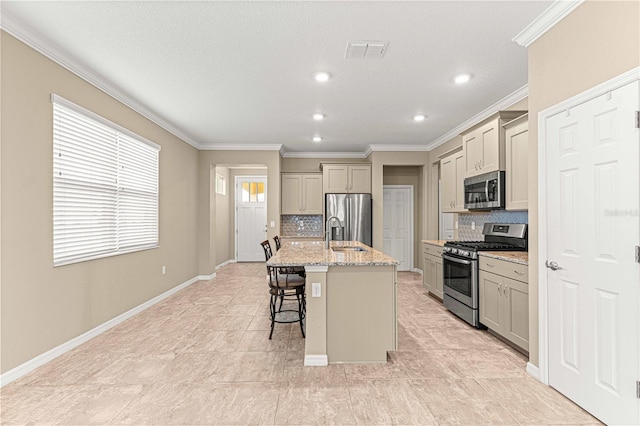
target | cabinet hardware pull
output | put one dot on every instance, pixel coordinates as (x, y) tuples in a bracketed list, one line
[(505, 291), (491, 265), (500, 289), (518, 272)]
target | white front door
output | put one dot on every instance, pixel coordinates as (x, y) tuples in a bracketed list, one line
[(397, 236), (593, 227), (251, 218)]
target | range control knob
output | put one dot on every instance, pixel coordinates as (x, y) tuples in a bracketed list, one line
[(454, 251), (463, 253)]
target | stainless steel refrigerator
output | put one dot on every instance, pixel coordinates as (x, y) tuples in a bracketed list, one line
[(354, 213)]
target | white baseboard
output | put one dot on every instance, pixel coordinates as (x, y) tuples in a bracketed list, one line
[(417, 271), (225, 263), (32, 364), (533, 371), (206, 277), (316, 360)]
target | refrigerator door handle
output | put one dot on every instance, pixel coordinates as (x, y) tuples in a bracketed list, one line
[(347, 217), (350, 231)]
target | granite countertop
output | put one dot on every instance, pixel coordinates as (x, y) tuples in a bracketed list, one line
[(309, 252), (435, 242), (521, 257)]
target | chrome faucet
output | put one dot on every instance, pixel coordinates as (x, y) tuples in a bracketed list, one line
[(327, 231)]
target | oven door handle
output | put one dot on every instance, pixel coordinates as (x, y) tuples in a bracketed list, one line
[(456, 260)]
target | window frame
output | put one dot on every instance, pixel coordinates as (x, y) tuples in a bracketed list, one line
[(130, 148)]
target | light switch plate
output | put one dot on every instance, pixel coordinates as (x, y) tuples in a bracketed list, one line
[(273, 223), (316, 290)]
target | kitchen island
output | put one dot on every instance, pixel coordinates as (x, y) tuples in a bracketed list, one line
[(351, 300)]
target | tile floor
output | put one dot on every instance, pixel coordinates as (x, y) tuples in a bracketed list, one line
[(203, 357)]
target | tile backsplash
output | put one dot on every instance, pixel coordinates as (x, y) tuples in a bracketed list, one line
[(466, 221), (301, 225)]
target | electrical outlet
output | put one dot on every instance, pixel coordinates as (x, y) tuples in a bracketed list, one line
[(316, 290), (273, 223), (164, 270), (456, 224), (301, 223), (473, 226)]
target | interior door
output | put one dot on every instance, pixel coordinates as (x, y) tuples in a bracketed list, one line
[(251, 218), (593, 228), (397, 236)]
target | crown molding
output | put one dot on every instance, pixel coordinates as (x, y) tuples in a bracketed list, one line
[(547, 20), (39, 43), (399, 148), (324, 155), (240, 147), (503, 103)]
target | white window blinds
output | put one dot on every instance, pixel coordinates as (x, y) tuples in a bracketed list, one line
[(105, 187)]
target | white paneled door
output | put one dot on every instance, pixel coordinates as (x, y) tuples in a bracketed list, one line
[(251, 218), (397, 236), (593, 279)]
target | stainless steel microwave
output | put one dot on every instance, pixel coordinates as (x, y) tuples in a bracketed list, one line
[(485, 192)]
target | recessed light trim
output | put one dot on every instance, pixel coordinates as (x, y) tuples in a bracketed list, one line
[(318, 116), (419, 117), (322, 76), (462, 78), (317, 139)]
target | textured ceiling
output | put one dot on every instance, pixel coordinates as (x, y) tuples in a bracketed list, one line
[(228, 73)]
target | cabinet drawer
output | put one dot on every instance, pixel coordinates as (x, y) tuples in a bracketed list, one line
[(507, 269), (431, 250)]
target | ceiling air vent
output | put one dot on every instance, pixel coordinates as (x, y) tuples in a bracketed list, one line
[(366, 49)]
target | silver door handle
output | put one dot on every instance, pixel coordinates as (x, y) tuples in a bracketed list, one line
[(552, 265)]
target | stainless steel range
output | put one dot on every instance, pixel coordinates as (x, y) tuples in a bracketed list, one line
[(460, 266)]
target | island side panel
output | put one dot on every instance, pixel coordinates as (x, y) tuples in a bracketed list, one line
[(315, 347), (360, 313)]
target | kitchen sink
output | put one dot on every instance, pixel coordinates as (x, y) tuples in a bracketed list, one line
[(348, 249)]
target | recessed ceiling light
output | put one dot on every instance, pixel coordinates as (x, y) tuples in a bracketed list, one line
[(461, 78), (317, 139), (419, 117), (322, 76), (318, 116)]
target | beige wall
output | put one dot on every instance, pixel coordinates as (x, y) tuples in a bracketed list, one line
[(43, 306), (223, 219), (312, 165), (207, 214), (379, 160), (596, 42), (410, 175)]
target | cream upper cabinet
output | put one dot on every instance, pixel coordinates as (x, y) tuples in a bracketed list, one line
[(312, 193), (301, 193), (517, 167), (452, 180), (353, 178), (504, 299), (483, 145)]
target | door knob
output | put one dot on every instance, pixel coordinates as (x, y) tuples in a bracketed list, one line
[(552, 265)]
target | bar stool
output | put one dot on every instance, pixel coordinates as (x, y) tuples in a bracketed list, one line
[(284, 285)]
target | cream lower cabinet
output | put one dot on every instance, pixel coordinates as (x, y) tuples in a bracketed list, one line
[(432, 271), (504, 299), (301, 193)]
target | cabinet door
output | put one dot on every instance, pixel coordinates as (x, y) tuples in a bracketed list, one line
[(515, 314), (459, 184), (472, 149), (312, 194), (334, 178), (428, 275), (490, 300), (359, 179), (448, 187), (489, 136), (439, 290), (290, 193), (517, 167)]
